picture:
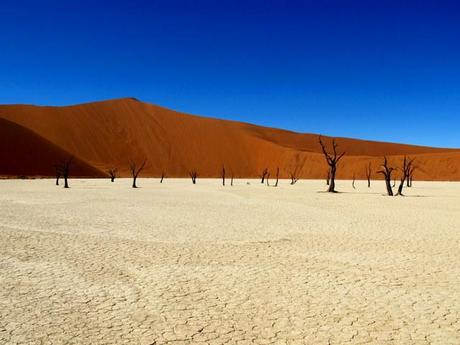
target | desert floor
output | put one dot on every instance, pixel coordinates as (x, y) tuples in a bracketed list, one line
[(177, 263)]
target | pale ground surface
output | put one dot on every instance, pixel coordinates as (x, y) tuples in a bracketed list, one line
[(102, 263)]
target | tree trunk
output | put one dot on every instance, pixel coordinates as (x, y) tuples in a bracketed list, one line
[(162, 177), (57, 180), (66, 184), (389, 188), (134, 181), (112, 178), (277, 176), (332, 180)]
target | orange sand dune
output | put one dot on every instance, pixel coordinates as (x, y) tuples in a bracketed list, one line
[(111, 133)]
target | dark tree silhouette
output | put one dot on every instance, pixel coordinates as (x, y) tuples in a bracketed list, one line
[(411, 175), (65, 170), (368, 174), (136, 169), (193, 175), (386, 172), (58, 172), (163, 175), (263, 176), (112, 173), (332, 160), (231, 180), (294, 177), (353, 183), (223, 175), (277, 176), (405, 173)]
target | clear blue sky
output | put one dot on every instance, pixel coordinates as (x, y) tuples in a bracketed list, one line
[(383, 70)]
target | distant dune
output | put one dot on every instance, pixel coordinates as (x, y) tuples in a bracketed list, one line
[(109, 134)]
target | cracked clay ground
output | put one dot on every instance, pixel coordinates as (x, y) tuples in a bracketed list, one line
[(175, 263)]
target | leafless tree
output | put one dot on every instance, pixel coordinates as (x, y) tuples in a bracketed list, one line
[(223, 175), (386, 172), (136, 169), (277, 176), (112, 173), (411, 175), (368, 174), (405, 173), (58, 172), (353, 183), (332, 160), (163, 175), (64, 168), (294, 177), (264, 175), (193, 175)]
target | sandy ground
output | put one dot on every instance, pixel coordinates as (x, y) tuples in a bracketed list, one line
[(175, 263)]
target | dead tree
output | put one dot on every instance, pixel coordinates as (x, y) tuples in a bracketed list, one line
[(223, 176), (65, 170), (353, 183), (193, 174), (136, 169), (294, 177), (267, 178), (231, 181), (405, 172), (58, 172), (368, 174), (264, 175), (386, 172), (411, 175), (277, 176), (163, 175), (113, 174), (332, 160)]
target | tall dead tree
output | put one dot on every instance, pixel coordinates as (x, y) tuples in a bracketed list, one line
[(163, 175), (368, 174), (332, 160), (386, 172), (223, 176), (112, 174), (193, 175), (277, 176), (405, 172), (65, 170), (264, 175), (136, 169)]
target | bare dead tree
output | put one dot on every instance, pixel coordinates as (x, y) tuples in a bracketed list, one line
[(193, 175), (65, 170), (294, 177), (112, 174), (405, 173), (231, 181), (368, 174), (136, 169), (386, 172), (332, 160), (223, 175), (58, 172), (411, 175), (163, 175), (277, 176), (353, 183), (264, 175)]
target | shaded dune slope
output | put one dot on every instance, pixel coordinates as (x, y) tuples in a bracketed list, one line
[(111, 133)]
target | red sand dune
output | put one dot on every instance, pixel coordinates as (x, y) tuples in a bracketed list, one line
[(109, 134)]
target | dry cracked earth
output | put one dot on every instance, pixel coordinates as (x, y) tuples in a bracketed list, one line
[(178, 263)]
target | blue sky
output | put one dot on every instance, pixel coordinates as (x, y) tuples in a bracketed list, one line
[(382, 70)]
